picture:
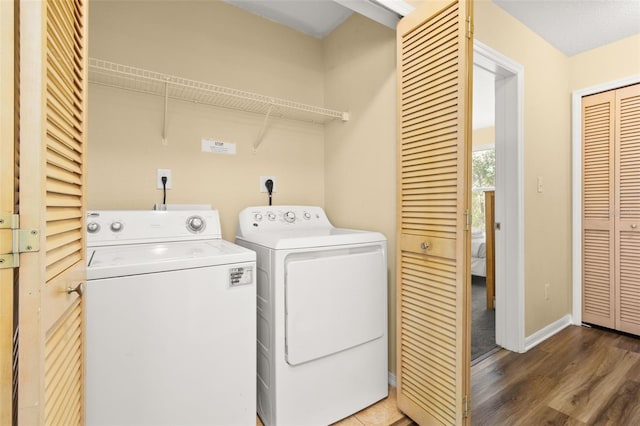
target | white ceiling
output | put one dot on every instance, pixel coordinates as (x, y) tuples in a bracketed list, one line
[(575, 26), (572, 26)]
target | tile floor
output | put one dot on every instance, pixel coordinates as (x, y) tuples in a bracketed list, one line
[(383, 413)]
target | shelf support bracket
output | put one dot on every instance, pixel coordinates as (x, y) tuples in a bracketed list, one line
[(164, 121), (263, 130)]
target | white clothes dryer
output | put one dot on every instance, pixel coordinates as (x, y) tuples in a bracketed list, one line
[(322, 315), (170, 321)]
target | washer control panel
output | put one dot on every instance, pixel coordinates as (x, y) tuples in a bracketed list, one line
[(111, 227), (281, 217)]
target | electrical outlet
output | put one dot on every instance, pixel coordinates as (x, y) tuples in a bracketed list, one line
[(159, 174), (263, 179), (546, 291)]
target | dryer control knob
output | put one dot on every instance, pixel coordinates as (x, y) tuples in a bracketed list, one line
[(93, 227), (307, 215), (116, 226), (290, 216), (196, 224), (257, 217), (271, 216)]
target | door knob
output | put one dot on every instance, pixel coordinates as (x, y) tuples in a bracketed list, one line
[(79, 289), (634, 226), (425, 245)]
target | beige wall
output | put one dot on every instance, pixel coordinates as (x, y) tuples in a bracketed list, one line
[(604, 64), (215, 43), (484, 137), (360, 179)]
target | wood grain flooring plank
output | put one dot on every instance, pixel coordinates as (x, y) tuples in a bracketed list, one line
[(515, 400), (623, 408), (588, 385), (580, 376)]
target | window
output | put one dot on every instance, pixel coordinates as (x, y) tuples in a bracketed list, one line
[(483, 164)]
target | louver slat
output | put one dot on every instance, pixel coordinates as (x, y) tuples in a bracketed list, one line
[(433, 56), (598, 279)]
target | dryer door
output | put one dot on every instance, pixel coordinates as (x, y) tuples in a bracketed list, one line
[(335, 300)]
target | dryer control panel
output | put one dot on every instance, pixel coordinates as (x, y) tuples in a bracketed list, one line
[(273, 218)]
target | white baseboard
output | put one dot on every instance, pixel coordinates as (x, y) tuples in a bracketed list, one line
[(543, 334), (392, 380)]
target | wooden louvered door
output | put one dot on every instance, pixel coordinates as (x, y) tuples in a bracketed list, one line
[(611, 209), (53, 93), (7, 206), (627, 218), (597, 209), (434, 149)]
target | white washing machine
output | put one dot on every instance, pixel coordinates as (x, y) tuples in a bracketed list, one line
[(170, 321), (322, 315)]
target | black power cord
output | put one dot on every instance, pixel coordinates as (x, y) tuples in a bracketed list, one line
[(164, 189), (269, 185)]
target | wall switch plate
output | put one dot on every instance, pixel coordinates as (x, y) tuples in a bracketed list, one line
[(159, 174), (263, 179)]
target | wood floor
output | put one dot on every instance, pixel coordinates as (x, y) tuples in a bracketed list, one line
[(581, 376)]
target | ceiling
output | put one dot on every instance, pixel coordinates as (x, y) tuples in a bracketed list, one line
[(572, 26)]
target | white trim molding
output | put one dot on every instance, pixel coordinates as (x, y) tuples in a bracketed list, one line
[(576, 161), (392, 380), (510, 308), (548, 331)]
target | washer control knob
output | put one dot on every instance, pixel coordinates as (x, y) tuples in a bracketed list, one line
[(257, 217), (116, 226), (307, 215), (271, 216), (290, 216), (93, 227), (196, 224)]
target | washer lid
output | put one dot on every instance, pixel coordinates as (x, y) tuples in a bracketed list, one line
[(311, 237), (135, 259)]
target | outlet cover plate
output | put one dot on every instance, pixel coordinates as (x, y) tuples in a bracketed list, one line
[(159, 174), (263, 179)]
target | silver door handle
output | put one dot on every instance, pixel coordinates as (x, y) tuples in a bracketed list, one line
[(79, 289)]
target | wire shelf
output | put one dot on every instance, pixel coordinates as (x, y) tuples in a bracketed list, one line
[(140, 80)]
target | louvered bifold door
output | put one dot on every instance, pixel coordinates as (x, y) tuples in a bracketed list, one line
[(434, 84), (598, 203), (53, 94), (627, 223)]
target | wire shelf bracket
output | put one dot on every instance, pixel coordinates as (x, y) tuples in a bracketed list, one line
[(130, 78)]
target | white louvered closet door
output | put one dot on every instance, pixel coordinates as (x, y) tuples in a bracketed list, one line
[(434, 147), (627, 223), (611, 209), (52, 102)]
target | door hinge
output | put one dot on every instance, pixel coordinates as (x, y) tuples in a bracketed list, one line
[(9, 221), (23, 240), (467, 220), (469, 27), (467, 408)]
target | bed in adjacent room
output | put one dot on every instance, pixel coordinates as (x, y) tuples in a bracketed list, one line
[(478, 253)]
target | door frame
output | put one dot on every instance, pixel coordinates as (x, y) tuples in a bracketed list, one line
[(576, 171), (509, 207)]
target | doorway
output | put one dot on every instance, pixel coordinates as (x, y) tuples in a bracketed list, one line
[(508, 79)]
